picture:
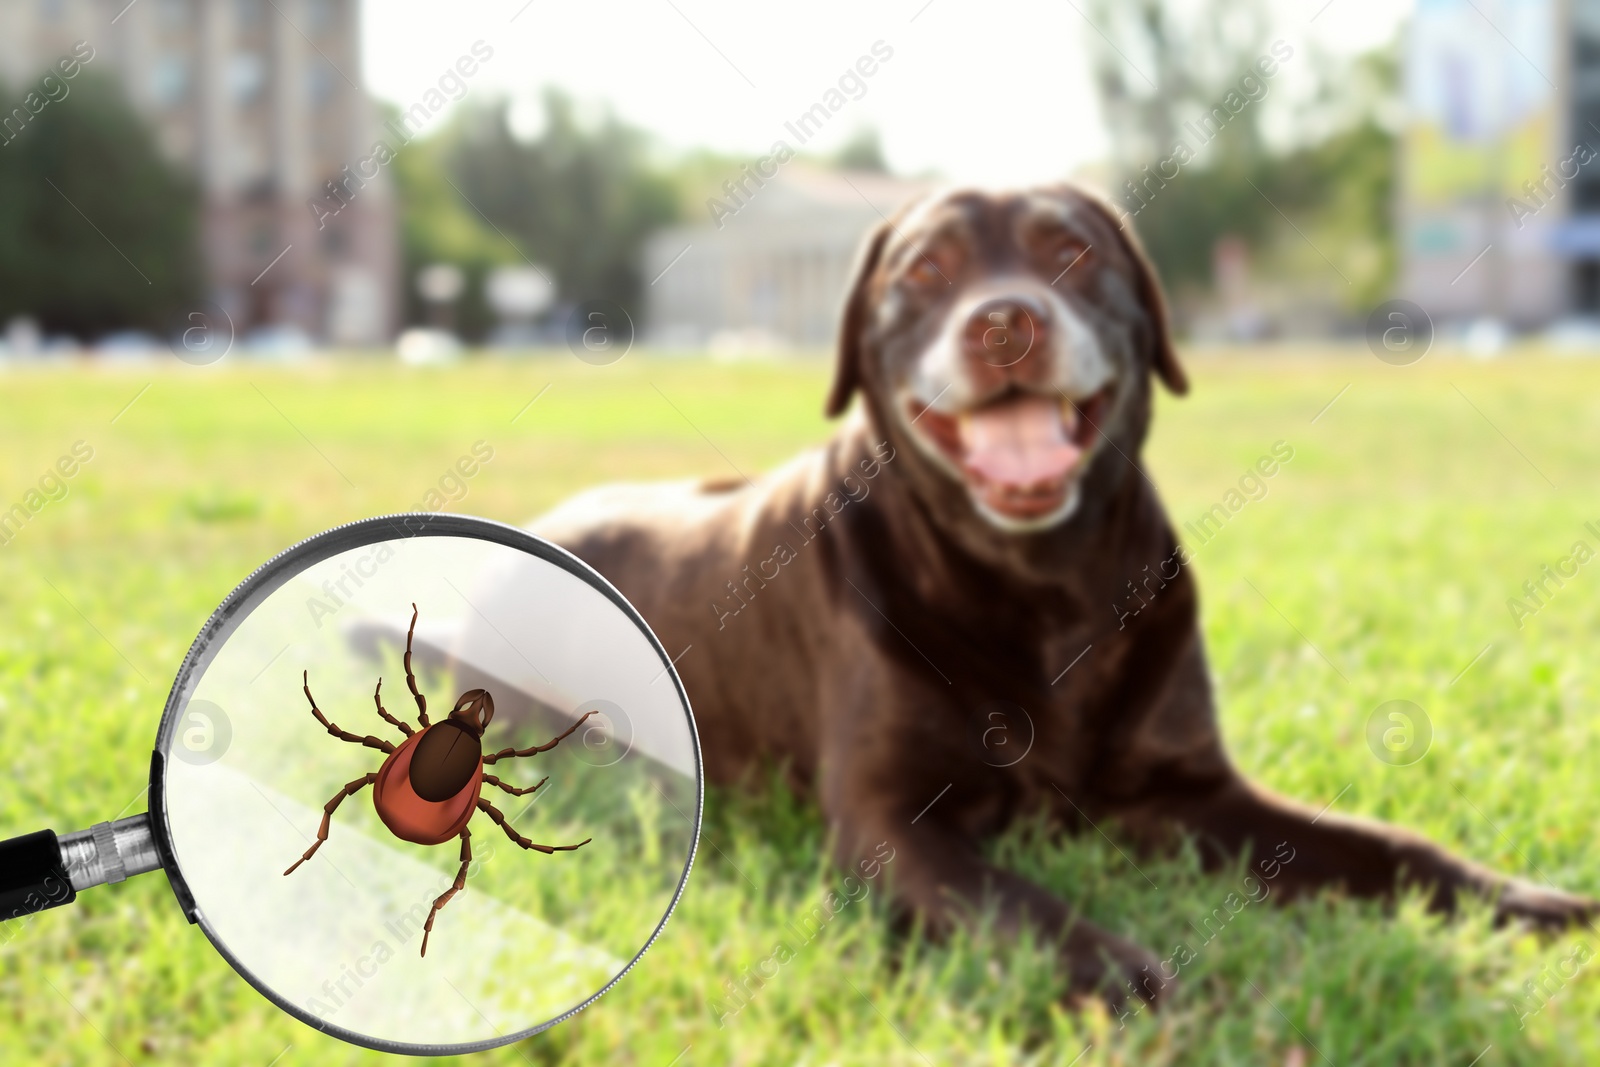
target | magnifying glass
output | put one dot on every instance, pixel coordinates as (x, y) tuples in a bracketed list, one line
[(428, 782)]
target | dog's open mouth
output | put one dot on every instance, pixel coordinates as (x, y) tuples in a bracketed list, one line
[(1020, 455)]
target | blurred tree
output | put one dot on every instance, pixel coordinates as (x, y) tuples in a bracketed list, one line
[(863, 151), (437, 226), (98, 232), (699, 175), (578, 200), (1343, 179), (1162, 65)]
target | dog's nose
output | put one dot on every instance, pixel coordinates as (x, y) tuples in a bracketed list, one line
[(1002, 332)]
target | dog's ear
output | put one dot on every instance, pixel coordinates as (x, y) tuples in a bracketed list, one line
[(847, 371), (1163, 356)]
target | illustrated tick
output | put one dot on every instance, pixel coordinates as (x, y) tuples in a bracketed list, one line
[(428, 789)]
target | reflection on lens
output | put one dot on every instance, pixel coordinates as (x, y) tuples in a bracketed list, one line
[(556, 860), (608, 734), (204, 733)]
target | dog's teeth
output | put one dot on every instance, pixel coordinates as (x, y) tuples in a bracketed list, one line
[(1069, 417)]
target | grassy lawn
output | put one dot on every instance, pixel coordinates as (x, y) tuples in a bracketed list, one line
[(1376, 567)]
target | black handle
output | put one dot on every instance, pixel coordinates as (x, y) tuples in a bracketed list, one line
[(32, 875)]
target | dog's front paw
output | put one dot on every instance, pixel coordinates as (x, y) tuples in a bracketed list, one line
[(1124, 975), (1543, 907)]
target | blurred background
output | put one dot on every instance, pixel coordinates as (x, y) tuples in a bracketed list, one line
[(268, 266), (336, 176)]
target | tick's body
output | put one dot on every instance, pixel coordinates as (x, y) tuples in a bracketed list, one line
[(429, 787), (407, 812)]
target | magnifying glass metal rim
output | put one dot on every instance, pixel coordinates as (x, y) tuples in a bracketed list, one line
[(274, 573)]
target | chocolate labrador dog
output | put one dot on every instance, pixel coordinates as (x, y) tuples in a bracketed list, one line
[(914, 619)]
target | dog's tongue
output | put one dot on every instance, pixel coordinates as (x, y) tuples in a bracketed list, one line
[(1020, 442)]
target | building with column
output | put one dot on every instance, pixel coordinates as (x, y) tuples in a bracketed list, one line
[(770, 264), (263, 102), (1499, 181)]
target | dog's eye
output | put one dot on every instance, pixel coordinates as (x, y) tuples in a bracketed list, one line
[(933, 266), (1062, 256), (923, 271), (1071, 250)]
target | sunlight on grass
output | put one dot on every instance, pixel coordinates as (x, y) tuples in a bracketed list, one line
[(1376, 564)]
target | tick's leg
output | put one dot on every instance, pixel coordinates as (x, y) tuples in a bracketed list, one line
[(513, 753), (350, 789), (383, 711), (457, 886), (513, 790), (411, 679), (344, 735), (494, 813)]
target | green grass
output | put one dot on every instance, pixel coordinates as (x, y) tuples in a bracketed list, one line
[(1389, 544)]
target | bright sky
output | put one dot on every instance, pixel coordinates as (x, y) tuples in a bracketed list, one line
[(993, 91)]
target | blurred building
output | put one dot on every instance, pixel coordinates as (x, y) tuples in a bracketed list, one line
[(776, 269), (262, 101), (1500, 191)]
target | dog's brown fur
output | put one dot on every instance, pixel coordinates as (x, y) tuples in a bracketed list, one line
[(850, 617)]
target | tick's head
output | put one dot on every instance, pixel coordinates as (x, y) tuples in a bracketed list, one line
[(1006, 337), (474, 709)]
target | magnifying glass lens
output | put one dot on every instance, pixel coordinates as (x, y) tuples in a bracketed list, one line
[(525, 799)]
